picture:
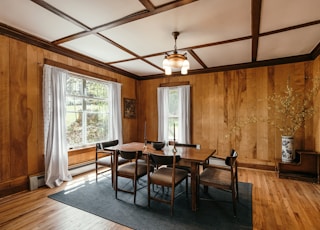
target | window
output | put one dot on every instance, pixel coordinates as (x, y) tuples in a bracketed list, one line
[(88, 111), (174, 112)]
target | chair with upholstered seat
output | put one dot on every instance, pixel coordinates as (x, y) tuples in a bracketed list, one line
[(222, 176), (183, 164), (104, 158), (133, 170), (165, 176)]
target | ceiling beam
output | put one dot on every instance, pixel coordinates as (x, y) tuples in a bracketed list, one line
[(148, 5), (197, 58), (291, 28), (33, 40), (278, 61), (30, 39), (61, 14), (255, 26), (126, 19), (316, 51)]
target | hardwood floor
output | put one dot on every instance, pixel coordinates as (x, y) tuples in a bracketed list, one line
[(277, 204)]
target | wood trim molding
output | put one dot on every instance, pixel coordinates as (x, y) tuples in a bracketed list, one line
[(171, 84), (78, 70)]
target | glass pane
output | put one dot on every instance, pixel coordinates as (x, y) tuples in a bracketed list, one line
[(74, 86), (96, 89), (74, 104), (171, 121), (95, 105), (74, 128), (173, 102), (97, 127)]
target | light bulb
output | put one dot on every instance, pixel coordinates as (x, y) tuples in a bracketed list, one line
[(168, 70)]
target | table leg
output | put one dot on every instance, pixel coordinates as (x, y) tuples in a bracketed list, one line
[(114, 167), (194, 185)]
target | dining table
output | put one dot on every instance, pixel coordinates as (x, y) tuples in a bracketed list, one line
[(194, 156)]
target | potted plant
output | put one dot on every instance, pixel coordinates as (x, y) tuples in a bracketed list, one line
[(291, 110)]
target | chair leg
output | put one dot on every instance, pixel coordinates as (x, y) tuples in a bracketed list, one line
[(237, 189), (116, 186), (96, 172), (205, 189), (234, 202), (134, 190), (187, 187), (112, 174), (149, 193), (172, 199)]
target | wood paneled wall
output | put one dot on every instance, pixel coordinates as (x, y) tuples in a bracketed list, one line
[(218, 100), (21, 120), (221, 99)]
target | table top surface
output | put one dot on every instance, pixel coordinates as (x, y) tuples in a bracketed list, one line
[(186, 153)]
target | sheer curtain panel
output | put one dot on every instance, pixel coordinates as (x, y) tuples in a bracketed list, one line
[(184, 116), (55, 143), (163, 111), (116, 113)]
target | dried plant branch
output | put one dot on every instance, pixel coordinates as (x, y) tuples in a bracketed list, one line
[(291, 110)]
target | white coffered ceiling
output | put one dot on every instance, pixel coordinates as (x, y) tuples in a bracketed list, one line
[(132, 35)]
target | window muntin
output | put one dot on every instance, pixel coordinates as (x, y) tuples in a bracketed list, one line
[(88, 111)]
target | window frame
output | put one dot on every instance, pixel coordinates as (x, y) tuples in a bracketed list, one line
[(85, 143), (184, 104)]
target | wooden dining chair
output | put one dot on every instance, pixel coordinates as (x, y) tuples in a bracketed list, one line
[(183, 164), (165, 176), (133, 170), (105, 159), (222, 176)]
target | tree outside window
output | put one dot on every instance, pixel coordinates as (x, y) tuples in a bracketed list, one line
[(88, 111)]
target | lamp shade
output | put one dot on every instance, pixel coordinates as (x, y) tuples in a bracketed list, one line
[(175, 60)]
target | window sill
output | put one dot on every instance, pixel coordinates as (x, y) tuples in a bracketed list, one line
[(81, 150)]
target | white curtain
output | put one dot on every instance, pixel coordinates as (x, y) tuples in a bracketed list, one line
[(55, 144), (184, 116), (163, 101), (116, 117), (184, 113)]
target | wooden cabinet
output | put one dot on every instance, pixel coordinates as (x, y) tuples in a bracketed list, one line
[(305, 167)]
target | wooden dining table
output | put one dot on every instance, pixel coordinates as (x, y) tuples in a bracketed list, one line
[(195, 156)]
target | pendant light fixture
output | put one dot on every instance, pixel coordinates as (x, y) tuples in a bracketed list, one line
[(175, 60)]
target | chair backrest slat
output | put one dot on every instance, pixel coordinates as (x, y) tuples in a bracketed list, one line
[(130, 155), (185, 145), (102, 145), (163, 160), (230, 160)]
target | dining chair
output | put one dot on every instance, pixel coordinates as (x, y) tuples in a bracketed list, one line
[(165, 176), (105, 159), (133, 170), (222, 176), (183, 164)]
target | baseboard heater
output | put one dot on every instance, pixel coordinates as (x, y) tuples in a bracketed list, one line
[(36, 181)]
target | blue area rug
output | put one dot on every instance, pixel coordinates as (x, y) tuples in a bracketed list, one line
[(215, 208)]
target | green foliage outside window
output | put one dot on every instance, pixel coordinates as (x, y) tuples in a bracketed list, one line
[(88, 111)]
